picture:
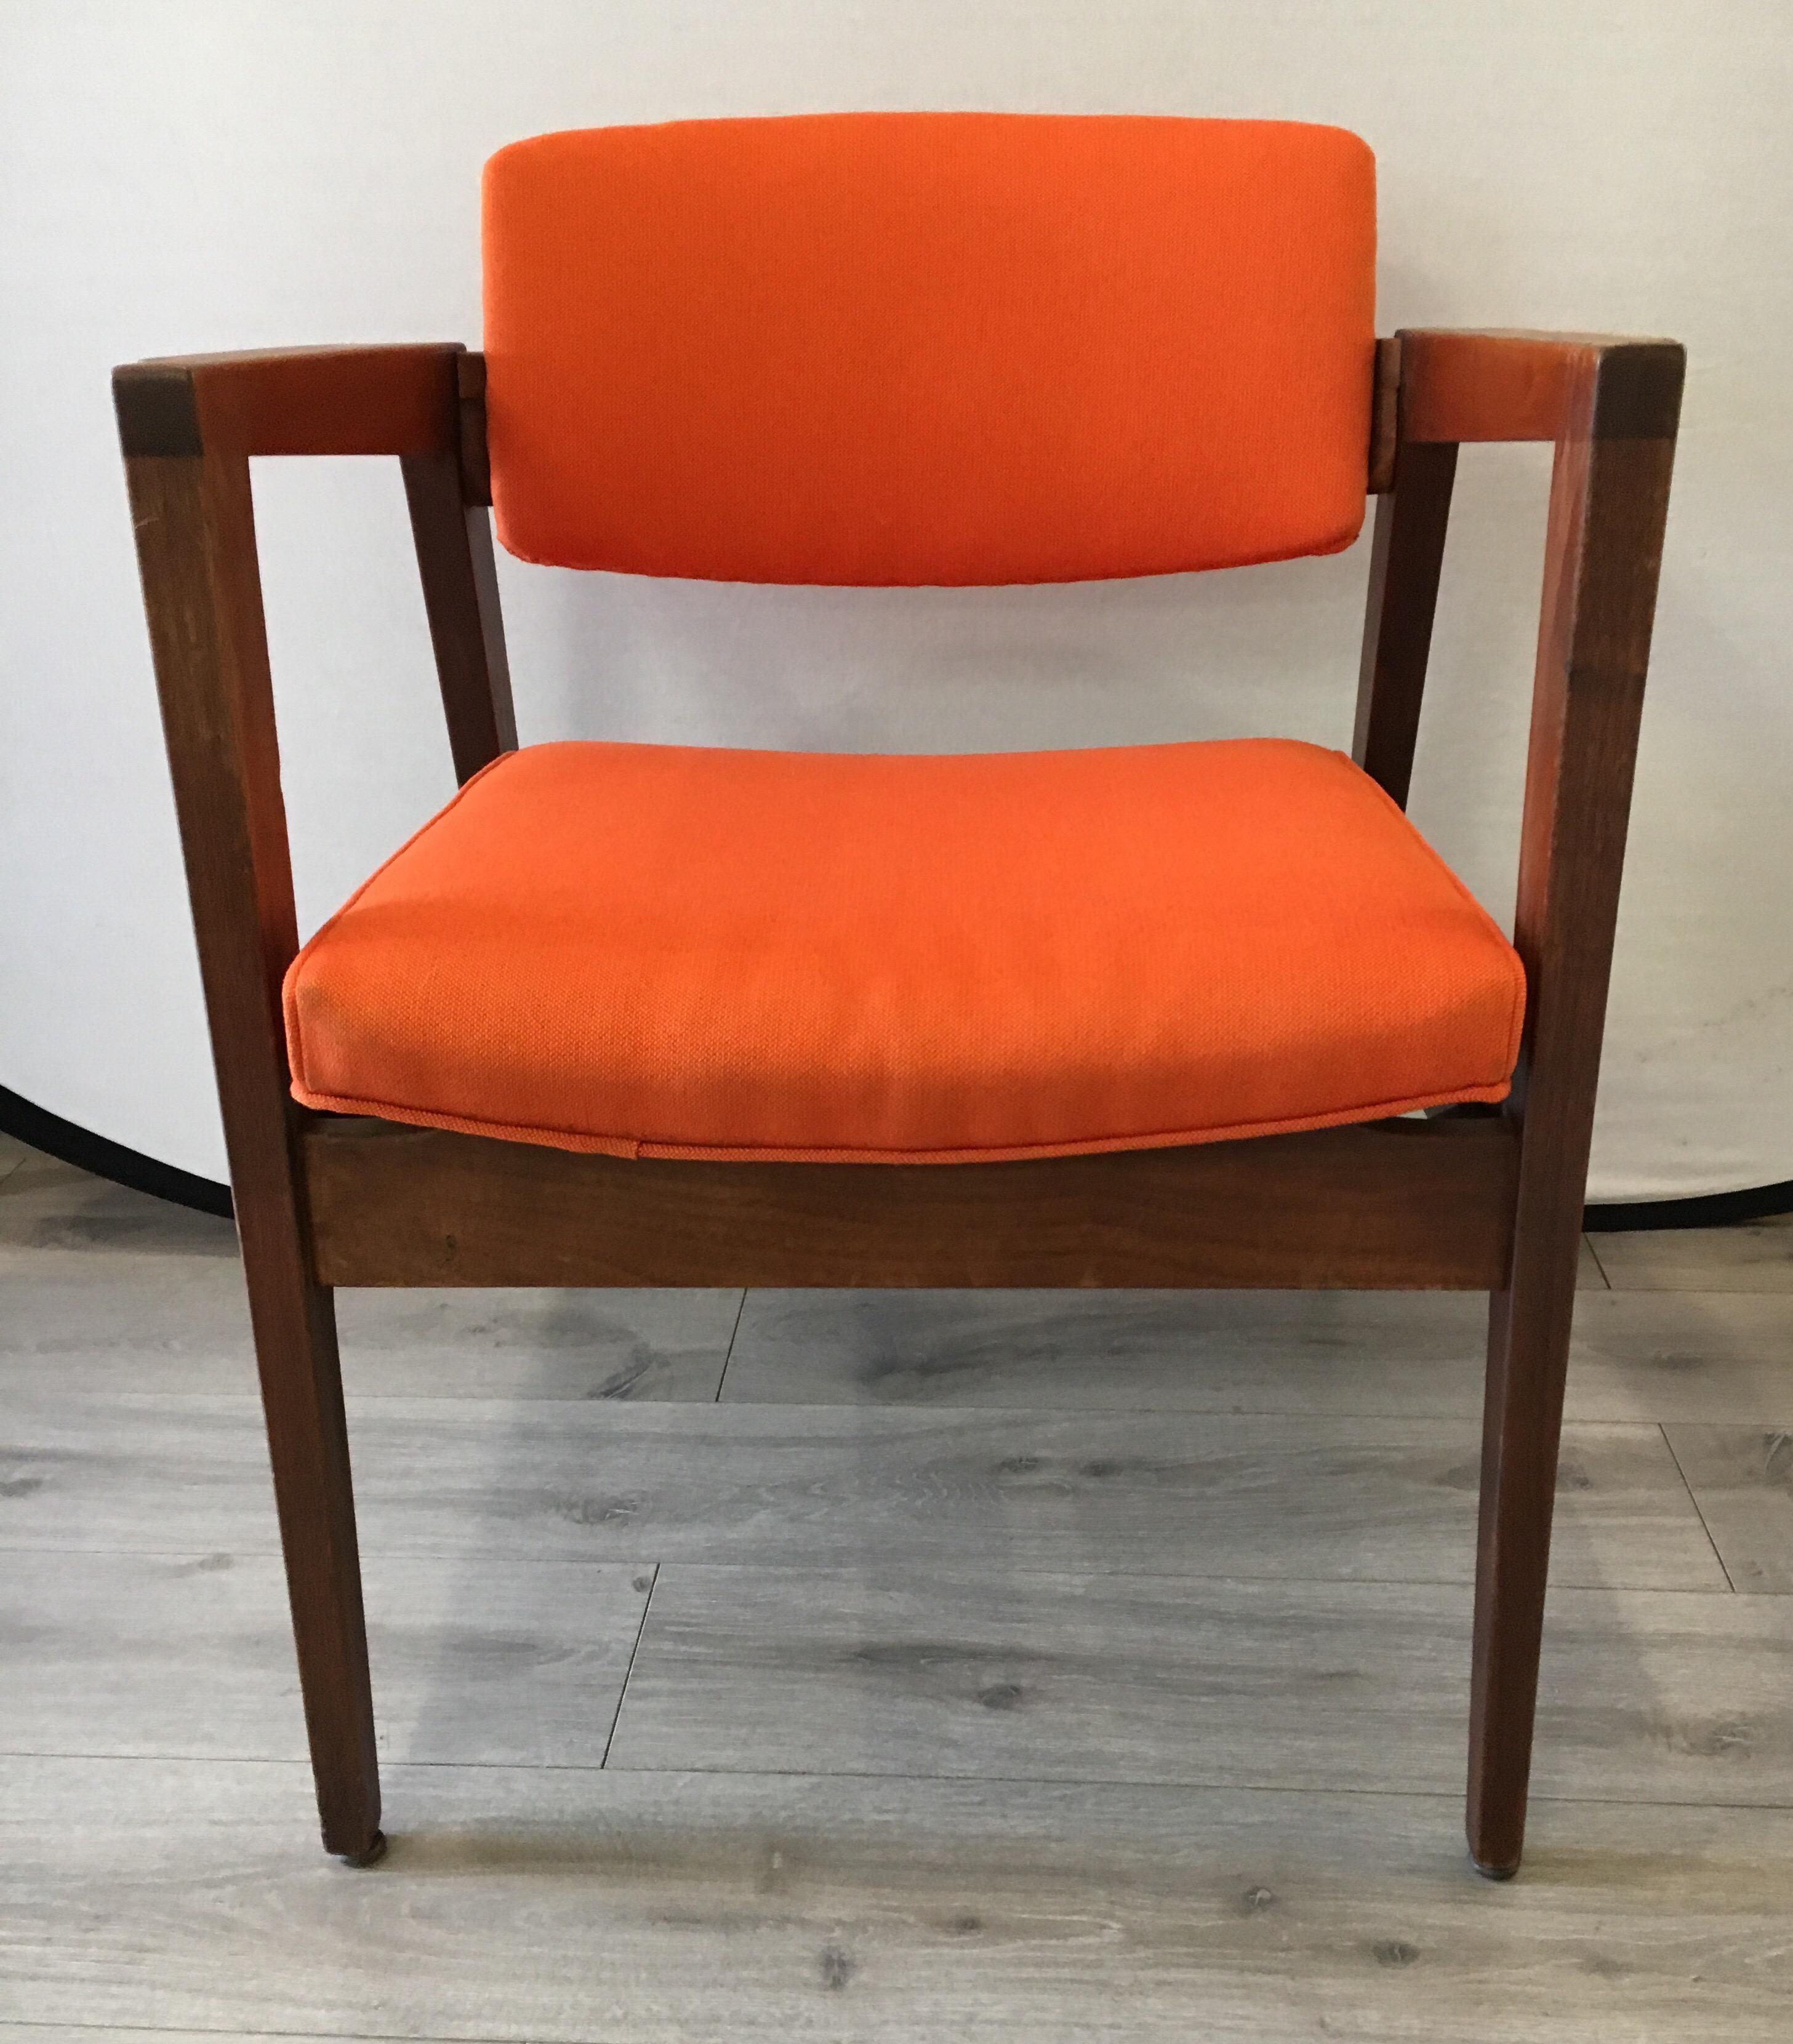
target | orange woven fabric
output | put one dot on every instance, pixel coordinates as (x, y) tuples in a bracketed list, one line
[(930, 348), (660, 950)]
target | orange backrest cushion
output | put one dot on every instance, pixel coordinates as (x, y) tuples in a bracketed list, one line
[(930, 348)]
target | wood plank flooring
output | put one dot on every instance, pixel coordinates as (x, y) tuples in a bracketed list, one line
[(1754, 1256), (886, 1667), (1741, 1479)]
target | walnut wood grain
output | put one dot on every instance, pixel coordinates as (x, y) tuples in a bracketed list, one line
[(476, 460), (196, 548), (1384, 415), (1403, 1204), (453, 537), (1609, 503), (399, 400), (1462, 385), (1407, 557)]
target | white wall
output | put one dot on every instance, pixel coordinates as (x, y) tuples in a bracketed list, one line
[(216, 173)]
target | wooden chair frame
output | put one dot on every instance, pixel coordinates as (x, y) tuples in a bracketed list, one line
[(1488, 1200)]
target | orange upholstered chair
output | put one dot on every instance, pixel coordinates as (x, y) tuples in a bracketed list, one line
[(1141, 1016)]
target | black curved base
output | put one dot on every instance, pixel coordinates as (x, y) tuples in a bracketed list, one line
[(1704, 1210), (73, 1144), (77, 1146)]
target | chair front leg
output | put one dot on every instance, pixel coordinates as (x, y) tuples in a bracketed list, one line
[(195, 532), (1608, 501), (294, 1321), (1528, 1325)]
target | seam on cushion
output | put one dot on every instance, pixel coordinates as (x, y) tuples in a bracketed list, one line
[(289, 1003), (427, 1117), (1516, 965), (1318, 552), (1091, 1146), (631, 1146)]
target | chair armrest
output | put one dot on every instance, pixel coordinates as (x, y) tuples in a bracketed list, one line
[(188, 425), (400, 399), (1462, 384), (1612, 408)]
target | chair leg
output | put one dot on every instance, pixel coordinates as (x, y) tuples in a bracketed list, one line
[(294, 1321), (1527, 1361)]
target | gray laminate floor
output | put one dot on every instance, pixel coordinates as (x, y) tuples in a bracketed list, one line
[(887, 1667)]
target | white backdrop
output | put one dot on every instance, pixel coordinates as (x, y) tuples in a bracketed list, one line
[(188, 173)]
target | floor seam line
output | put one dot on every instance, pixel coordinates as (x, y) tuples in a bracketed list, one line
[(1694, 1500), (622, 1694), (1203, 1785), (251, 1402), (134, 1395), (729, 1353), (1606, 1277), (760, 1564), (190, 2030)]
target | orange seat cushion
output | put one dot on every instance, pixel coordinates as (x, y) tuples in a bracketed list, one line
[(662, 951), (930, 348)]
